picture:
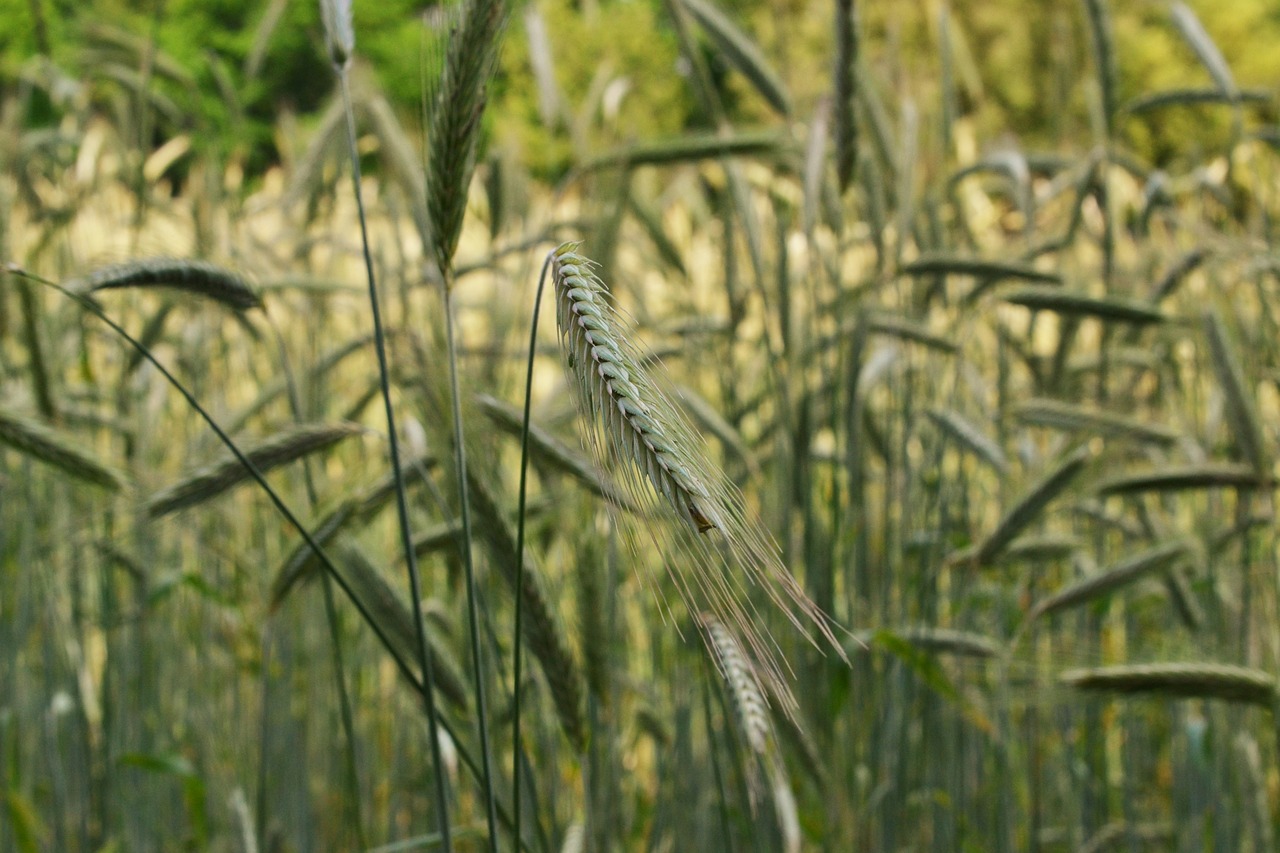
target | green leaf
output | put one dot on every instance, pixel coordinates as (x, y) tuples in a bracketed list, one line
[(23, 821)]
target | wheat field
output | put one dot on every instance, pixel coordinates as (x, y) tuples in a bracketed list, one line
[(825, 478)]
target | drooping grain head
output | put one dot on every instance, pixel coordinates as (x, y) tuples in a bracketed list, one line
[(715, 551), (616, 387)]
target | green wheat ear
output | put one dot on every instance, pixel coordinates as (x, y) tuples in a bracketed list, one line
[(716, 551)]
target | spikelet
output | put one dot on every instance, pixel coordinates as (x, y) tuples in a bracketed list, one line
[(748, 699), (713, 548), (197, 277), (751, 712), (33, 438), (228, 471), (456, 105), (339, 32), (1193, 680)]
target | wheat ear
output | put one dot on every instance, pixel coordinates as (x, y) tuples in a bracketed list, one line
[(751, 711), (229, 471), (455, 111), (717, 545), (32, 438), (198, 277), (1182, 680)]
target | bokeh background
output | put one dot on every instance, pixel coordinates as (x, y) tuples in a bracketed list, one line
[(973, 301)]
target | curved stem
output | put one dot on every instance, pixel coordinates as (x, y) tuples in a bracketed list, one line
[(520, 512)]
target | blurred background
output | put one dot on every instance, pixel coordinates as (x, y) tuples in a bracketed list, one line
[(972, 301)]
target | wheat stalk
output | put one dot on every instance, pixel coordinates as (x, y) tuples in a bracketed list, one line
[(339, 31), (717, 549), (552, 451), (737, 49), (395, 618), (941, 641), (1242, 411), (1104, 53), (1059, 414), (970, 438), (1030, 505), (1076, 304), (1209, 475), (1042, 548), (542, 630), (845, 115), (982, 268), (1206, 51)]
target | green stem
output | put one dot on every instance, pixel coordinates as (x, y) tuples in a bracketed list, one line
[(473, 611), (520, 512), (402, 506)]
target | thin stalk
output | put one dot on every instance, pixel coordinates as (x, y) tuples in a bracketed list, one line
[(344, 708), (473, 610), (402, 506), (520, 513)]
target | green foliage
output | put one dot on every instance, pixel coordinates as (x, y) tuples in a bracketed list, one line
[(618, 74), (951, 380)]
